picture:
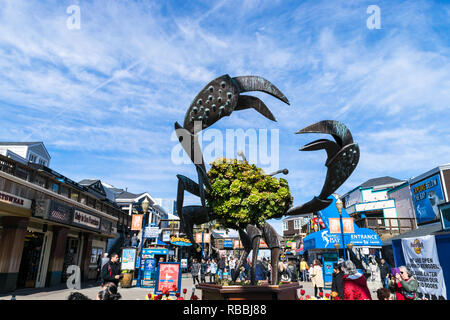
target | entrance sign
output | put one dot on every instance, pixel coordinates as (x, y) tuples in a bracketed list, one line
[(422, 259), (168, 276), (128, 259)]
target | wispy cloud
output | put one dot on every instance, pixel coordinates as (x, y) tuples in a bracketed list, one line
[(108, 94)]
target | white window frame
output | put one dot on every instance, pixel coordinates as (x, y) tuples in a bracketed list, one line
[(297, 224), (285, 226)]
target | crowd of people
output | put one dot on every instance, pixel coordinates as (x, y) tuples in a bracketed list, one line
[(347, 282)]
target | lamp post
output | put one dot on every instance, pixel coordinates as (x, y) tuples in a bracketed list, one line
[(339, 206), (145, 204)]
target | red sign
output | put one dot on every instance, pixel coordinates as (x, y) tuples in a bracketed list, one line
[(168, 277)]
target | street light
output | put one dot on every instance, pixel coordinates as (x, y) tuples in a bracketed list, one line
[(145, 204), (339, 207)]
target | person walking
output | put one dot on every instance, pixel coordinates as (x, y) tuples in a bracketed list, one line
[(221, 267), (111, 270), (317, 277), (134, 240), (337, 284), (405, 285), (99, 267), (260, 271), (384, 273), (212, 271), (355, 284), (232, 266), (203, 270), (195, 271), (304, 270)]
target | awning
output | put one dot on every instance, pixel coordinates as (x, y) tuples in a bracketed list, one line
[(323, 239), (160, 243)]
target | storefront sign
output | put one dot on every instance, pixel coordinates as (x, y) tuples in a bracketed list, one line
[(128, 259), (166, 236), (41, 208), (427, 195), (15, 200), (158, 251), (59, 212), (422, 259), (168, 277), (105, 226), (136, 221), (227, 244), (183, 242), (184, 264), (151, 232), (86, 220), (384, 204)]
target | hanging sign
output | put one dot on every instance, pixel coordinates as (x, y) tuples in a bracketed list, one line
[(422, 259), (136, 221), (151, 232), (178, 241)]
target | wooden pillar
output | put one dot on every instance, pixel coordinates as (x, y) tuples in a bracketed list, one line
[(57, 253), (11, 248), (86, 256)]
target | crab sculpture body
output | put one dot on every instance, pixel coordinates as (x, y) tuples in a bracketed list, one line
[(220, 98)]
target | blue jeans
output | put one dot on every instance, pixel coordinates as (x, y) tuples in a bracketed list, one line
[(385, 283), (305, 275)]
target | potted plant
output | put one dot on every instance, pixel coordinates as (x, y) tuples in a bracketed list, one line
[(127, 279)]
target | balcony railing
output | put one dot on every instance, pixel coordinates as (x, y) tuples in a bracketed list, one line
[(383, 226)]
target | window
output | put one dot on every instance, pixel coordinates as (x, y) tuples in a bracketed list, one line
[(64, 191), (297, 224), (74, 195), (285, 225), (42, 162), (83, 199), (32, 158), (55, 187)]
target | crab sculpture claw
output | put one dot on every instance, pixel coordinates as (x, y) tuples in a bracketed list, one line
[(222, 96), (343, 156)]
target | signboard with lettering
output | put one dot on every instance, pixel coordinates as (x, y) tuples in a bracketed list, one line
[(335, 225), (422, 259), (59, 212), (15, 200), (168, 276), (151, 232), (206, 237), (178, 241), (128, 259), (227, 244), (86, 220), (136, 221), (105, 226), (166, 236), (427, 195)]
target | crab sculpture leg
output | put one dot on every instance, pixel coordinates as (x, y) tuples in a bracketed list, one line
[(217, 99)]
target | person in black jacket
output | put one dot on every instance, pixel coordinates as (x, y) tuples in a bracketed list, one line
[(111, 270), (338, 285), (385, 270)]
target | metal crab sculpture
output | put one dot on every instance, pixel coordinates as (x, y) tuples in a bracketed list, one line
[(220, 98)]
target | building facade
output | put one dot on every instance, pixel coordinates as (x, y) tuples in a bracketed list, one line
[(24, 152), (47, 223), (372, 207)]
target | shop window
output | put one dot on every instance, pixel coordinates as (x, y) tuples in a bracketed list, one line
[(96, 254), (55, 187), (64, 191), (74, 195), (83, 199), (2, 184)]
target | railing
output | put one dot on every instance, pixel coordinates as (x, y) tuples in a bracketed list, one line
[(384, 226)]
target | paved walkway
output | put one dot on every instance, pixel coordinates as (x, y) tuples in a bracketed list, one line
[(91, 289)]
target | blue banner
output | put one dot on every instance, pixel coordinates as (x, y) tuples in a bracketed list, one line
[(427, 195), (228, 243), (155, 251)]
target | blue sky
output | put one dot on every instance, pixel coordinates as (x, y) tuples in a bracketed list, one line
[(104, 98)]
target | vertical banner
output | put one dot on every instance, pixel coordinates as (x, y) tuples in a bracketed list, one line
[(421, 258), (136, 222)]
